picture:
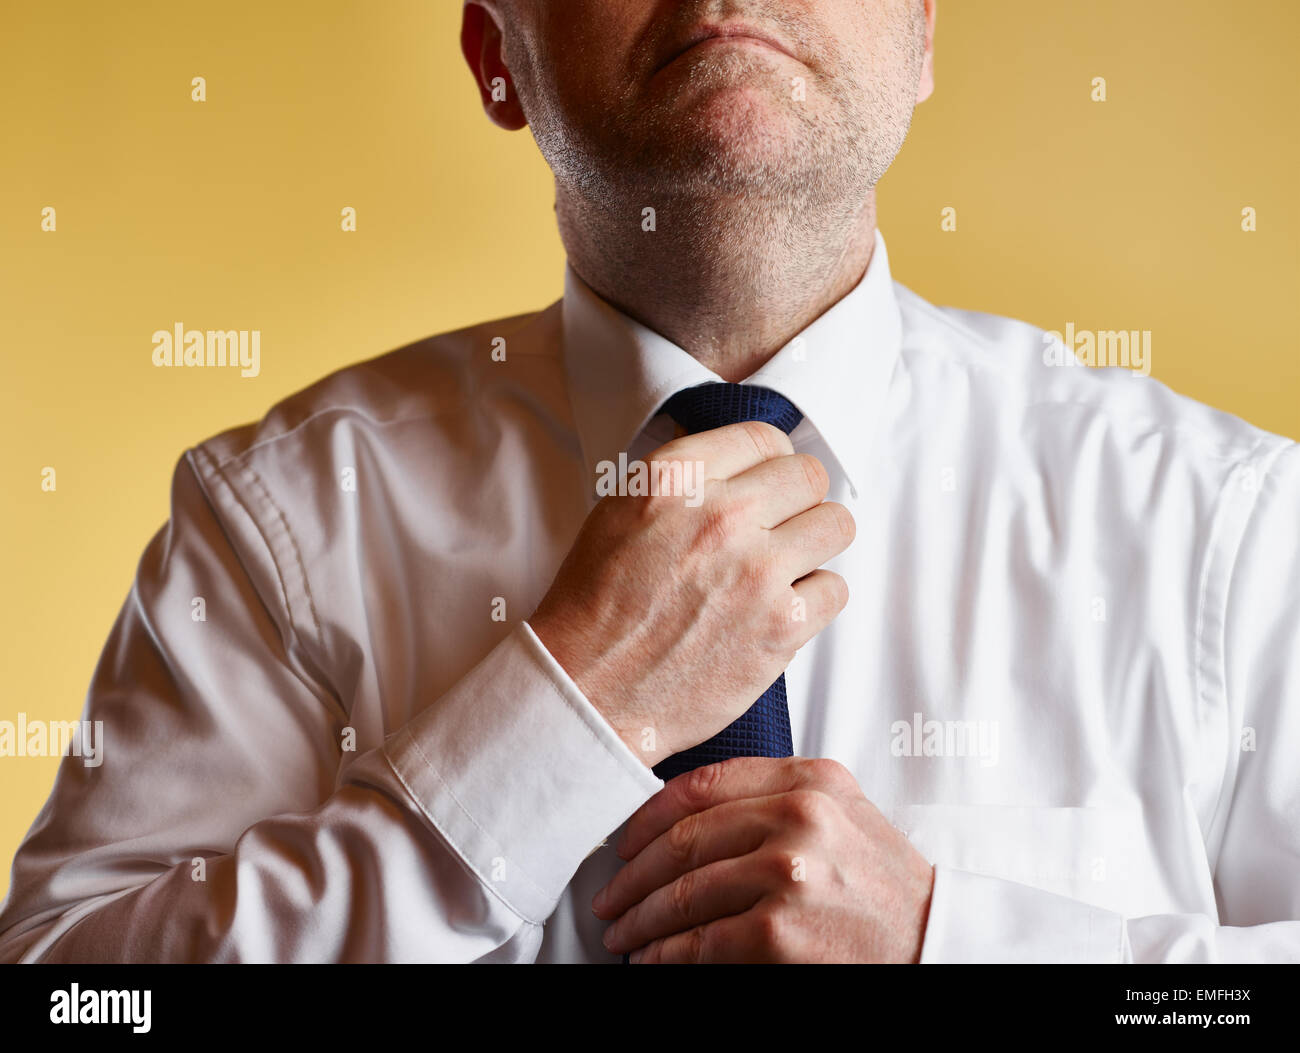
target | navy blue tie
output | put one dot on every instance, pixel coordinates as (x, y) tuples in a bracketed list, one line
[(764, 729)]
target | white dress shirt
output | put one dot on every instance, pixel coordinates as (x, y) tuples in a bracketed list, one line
[(1069, 668)]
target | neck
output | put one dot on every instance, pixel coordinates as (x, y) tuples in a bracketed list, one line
[(730, 282)]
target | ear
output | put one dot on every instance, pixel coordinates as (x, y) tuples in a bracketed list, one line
[(480, 42), (926, 87)]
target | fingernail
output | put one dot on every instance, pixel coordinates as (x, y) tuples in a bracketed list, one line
[(634, 958), (608, 938), (598, 902)]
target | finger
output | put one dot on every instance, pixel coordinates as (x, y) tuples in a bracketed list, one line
[(818, 599), (730, 886), (808, 540), (780, 488), (707, 787), (729, 450), (732, 829), (736, 938)]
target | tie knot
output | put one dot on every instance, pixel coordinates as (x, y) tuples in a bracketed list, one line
[(709, 406)]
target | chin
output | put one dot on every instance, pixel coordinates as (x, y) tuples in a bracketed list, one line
[(749, 136), (746, 119), (733, 136)]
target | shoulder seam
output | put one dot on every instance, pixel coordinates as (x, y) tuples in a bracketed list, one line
[(1237, 451), (1247, 517), (515, 323), (215, 472), (271, 440)]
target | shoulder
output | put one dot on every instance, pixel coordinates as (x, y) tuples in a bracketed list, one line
[(420, 383), (1063, 386)]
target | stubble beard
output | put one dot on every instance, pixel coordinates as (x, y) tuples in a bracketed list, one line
[(747, 179)]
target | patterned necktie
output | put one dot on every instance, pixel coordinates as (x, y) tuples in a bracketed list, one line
[(764, 729)]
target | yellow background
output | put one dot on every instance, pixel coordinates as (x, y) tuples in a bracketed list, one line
[(225, 214)]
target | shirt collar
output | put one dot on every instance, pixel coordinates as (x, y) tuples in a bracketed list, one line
[(837, 370)]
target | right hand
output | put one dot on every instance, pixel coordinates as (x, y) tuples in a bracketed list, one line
[(675, 619)]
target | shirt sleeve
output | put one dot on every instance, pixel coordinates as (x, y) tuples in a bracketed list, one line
[(1251, 632), (219, 822)]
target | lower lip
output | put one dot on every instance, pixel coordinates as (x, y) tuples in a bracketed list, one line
[(733, 41)]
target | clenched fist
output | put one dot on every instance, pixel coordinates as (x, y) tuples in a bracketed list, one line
[(674, 615), (765, 859)]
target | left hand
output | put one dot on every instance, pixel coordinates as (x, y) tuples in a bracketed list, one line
[(762, 859)]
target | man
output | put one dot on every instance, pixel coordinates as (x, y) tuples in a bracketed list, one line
[(464, 601)]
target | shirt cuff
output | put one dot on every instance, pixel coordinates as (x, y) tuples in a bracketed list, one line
[(976, 918), (520, 773)]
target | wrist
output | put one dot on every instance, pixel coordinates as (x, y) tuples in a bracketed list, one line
[(640, 738)]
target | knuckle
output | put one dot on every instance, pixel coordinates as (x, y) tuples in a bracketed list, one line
[(806, 807), (673, 449), (781, 630), (696, 944), (758, 572), (700, 784), (720, 523), (774, 866), (681, 894), (769, 928), (830, 596), (769, 441), (640, 512), (845, 525), (814, 473), (681, 839), (830, 773)]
